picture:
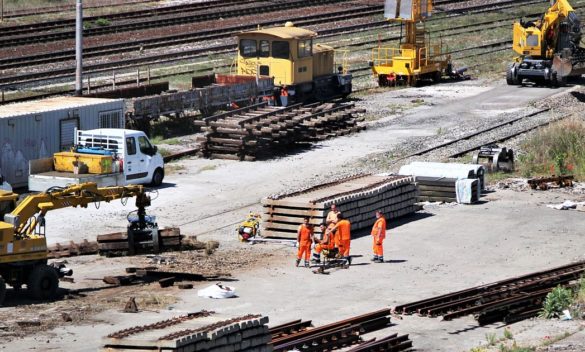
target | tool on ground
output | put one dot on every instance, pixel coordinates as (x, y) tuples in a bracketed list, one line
[(250, 227), (499, 159)]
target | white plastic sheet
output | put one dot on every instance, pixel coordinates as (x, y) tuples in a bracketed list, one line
[(464, 190), (217, 291)]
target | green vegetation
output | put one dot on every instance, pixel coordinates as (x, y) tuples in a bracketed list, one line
[(508, 334), (558, 149), (102, 22), (556, 301), (491, 338), (516, 348), (208, 168)]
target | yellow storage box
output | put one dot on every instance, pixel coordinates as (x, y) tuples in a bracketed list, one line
[(73, 162)]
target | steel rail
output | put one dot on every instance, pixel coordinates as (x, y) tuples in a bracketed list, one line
[(413, 307), (154, 22)]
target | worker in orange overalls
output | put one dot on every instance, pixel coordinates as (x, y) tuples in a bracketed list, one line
[(304, 241), (342, 230), (378, 236), (326, 242)]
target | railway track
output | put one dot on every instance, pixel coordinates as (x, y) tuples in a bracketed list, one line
[(165, 58), (18, 35), (507, 300), (63, 8)]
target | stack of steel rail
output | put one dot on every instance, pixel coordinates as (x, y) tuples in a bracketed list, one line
[(508, 300), (328, 337), (389, 343), (356, 197), (245, 133)]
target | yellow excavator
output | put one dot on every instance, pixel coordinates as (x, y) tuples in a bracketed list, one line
[(23, 245), (549, 48)]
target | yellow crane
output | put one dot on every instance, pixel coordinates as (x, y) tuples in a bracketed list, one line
[(416, 58), (23, 244), (548, 48)]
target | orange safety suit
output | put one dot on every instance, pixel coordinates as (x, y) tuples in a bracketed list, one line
[(378, 236), (328, 241), (304, 237), (343, 228)]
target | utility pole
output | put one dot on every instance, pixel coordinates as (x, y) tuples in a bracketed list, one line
[(79, 48)]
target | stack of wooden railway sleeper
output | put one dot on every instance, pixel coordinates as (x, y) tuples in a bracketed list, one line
[(246, 133), (356, 197)]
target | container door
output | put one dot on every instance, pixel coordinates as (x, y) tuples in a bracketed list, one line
[(135, 162), (67, 133)]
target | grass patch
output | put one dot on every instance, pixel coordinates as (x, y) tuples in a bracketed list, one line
[(208, 168), (491, 339), (558, 149), (164, 152), (172, 168), (493, 177)]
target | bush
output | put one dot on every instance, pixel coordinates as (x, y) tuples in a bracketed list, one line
[(102, 22), (556, 301), (558, 149)]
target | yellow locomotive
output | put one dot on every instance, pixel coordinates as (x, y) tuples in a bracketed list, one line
[(302, 70)]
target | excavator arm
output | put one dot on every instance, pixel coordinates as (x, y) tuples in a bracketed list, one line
[(31, 211)]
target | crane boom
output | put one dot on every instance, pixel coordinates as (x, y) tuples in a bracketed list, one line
[(31, 211)]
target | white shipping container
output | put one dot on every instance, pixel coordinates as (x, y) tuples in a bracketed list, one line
[(37, 129)]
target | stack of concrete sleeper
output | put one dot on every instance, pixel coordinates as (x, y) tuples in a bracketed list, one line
[(356, 197), (198, 332)]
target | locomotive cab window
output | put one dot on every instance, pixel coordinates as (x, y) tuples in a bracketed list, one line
[(305, 48), (248, 48), (264, 48), (280, 50)]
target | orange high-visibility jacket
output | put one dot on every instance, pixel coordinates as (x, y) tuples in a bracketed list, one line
[(343, 230), (380, 224), (305, 234)]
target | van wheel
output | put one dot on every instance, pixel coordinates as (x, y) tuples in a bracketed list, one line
[(43, 282), (157, 177)]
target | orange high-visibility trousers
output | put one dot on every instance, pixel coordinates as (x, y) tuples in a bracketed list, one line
[(319, 248), (344, 247), (304, 249), (378, 248)]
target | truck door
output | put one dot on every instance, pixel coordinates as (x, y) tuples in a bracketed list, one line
[(135, 163)]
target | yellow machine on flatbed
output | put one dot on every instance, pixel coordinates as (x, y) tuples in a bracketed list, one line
[(549, 48), (23, 245), (416, 59)]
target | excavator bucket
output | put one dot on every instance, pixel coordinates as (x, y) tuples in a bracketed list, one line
[(562, 66)]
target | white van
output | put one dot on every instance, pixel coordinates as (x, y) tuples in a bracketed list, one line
[(135, 161)]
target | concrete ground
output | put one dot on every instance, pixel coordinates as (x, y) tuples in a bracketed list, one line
[(441, 249)]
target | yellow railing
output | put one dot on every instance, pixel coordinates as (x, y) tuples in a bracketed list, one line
[(342, 62)]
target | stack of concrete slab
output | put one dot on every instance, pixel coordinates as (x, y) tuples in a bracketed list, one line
[(356, 197), (443, 182), (442, 189), (201, 331)]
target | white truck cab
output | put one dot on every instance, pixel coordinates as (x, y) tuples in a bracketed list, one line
[(140, 159), (135, 160)]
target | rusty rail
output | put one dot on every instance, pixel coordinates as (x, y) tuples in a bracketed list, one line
[(507, 300)]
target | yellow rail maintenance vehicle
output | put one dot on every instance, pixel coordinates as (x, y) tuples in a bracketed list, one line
[(23, 244), (416, 58), (302, 70), (549, 48)]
